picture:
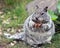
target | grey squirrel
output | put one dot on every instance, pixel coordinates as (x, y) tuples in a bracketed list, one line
[(38, 29)]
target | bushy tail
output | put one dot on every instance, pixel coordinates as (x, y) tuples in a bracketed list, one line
[(15, 36)]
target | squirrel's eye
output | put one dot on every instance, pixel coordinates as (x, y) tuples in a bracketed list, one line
[(42, 13), (36, 18)]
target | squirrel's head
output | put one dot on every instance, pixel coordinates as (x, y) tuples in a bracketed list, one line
[(40, 17)]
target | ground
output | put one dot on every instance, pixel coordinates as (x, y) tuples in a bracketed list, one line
[(7, 43)]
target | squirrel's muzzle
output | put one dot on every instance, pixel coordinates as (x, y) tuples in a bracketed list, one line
[(37, 25)]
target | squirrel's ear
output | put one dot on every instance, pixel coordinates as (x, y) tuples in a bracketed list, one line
[(37, 6), (45, 9)]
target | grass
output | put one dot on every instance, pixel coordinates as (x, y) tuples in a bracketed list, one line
[(55, 42), (16, 16)]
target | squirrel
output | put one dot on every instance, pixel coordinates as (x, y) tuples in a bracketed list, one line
[(38, 28)]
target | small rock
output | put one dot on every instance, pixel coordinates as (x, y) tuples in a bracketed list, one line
[(2, 16), (1, 12), (15, 17), (5, 22), (13, 30), (9, 29), (0, 31), (19, 30), (12, 44), (8, 20)]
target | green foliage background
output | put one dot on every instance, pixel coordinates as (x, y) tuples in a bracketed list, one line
[(15, 8)]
